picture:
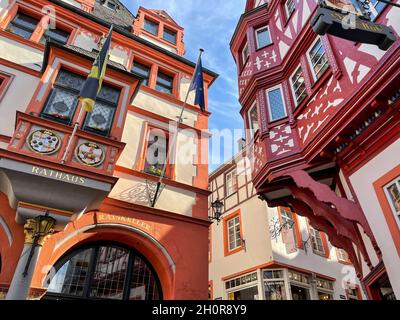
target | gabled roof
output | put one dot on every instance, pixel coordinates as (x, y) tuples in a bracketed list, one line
[(163, 14)]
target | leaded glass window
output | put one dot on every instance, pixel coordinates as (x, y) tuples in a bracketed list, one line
[(63, 99), (101, 118), (299, 85), (106, 271), (263, 37), (23, 25), (276, 104)]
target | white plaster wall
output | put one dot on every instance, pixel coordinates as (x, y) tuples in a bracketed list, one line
[(184, 88), (73, 3), (16, 98), (133, 190), (362, 182), (21, 54), (186, 147), (85, 40), (164, 108), (117, 54)]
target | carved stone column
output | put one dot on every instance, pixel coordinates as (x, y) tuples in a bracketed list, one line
[(36, 231)]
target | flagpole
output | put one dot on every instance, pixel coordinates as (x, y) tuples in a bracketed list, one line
[(72, 136), (172, 146)]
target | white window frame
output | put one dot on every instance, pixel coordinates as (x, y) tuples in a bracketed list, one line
[(292, 84), (339, 253), (236, 237), (233, 174), (312, 235), (244, 59), (284, 279), (269, 34), (288, 14), (254, 105), (279, 86), (389, 198), (309, 58), (254, 283), (300, 284)]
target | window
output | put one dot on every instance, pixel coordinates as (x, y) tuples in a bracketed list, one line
[(376, 7), (63, 99), (23, 25), (253, 119), (100, 120), (352, 292), (298, 85), (299, 285), (288, 232), (169, 35), (164, 83), (151, 27), (316, 241), (263, 37), (5, 81), (104, 272), (56, 35), (276, 105), (243, 288), (289, 7), (231, 182), (392, 191), (245, 53), (324, 289), (110, 5), (143, 71), (274, 285), (156, 151), (318, 60), (342, 255), (234, 238)]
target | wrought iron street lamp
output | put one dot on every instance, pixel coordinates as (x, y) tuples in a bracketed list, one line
[(217, 206)]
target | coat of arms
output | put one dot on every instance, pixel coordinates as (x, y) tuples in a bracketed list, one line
[(43, 141), (90, 154)]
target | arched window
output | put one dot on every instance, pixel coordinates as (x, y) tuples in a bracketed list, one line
[(103, 271)]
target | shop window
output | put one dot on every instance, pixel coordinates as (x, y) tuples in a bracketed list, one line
[(324, 289), (263, 37), (104, 272), (298, 84), (231, 183), (352, 292), (274, 285), (276, 104), (58, 35), (151, 26), (143, 71), (169, 35), (156, 152), (253, 119), (164, 83), (318, 60), (299, 285), (23, 25), (392, 191), (243, 288), (289, 7)]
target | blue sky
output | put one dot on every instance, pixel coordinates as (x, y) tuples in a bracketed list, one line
[(209, 24)]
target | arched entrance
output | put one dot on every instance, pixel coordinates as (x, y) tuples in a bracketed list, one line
[(103, 270)]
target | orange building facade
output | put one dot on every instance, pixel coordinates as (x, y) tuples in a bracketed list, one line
[(76, 214)]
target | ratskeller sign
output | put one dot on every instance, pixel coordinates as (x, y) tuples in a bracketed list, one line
[(342, 19)]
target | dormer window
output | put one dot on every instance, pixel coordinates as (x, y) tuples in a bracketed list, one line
[(110, 5), (169, 35), (150, 26)]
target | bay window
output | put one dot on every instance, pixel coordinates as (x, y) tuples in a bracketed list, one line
[(318, 59), (23, 25), (276, 104), (263, 37), (298, 85)]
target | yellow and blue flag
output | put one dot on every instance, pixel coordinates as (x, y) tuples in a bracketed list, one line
[(198, 85), (92, 85)]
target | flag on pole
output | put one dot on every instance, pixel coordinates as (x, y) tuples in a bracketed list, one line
[(92, 85), (198, 85)]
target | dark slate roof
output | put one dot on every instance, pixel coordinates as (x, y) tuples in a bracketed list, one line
[(121, 16)]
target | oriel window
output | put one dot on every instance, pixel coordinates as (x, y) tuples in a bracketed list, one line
[(318, 59), (253, 119), (263, 37), (164, 83), (298, 85), (23, 25), (143, 71), (276, 104), (151, 27)]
